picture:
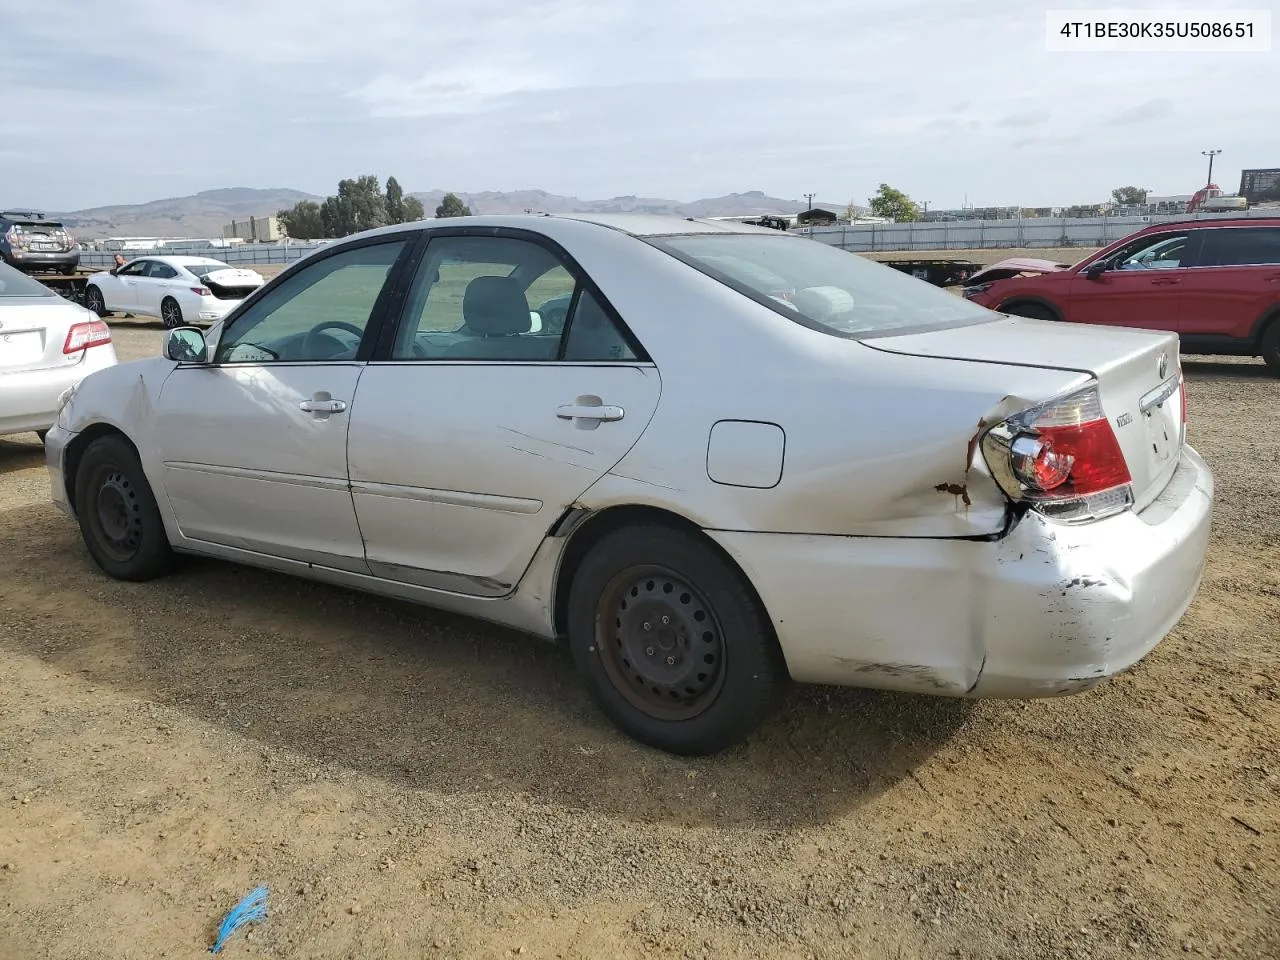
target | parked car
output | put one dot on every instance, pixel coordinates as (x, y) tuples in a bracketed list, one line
[(1215, 283), (178, 290), (706, 489), (47, 344), (31, 242)]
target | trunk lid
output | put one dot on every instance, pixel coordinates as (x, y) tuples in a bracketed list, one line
[(1138, 374), (232, 283), (32, 334)]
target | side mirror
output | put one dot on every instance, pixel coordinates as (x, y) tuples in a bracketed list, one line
[(186, 345), (1095, 270)]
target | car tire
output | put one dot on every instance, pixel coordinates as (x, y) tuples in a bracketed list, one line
[(119, 520), (41, 434), (1032, 311), (67, 271), (170, 313), (1270, 346), (94, 301), (671, 641)]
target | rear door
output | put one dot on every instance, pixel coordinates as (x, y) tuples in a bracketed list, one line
[(153, 286), (483, 417), (1142, 286), (1235, 282)]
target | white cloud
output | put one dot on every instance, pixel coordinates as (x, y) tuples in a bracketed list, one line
[(651, 97)]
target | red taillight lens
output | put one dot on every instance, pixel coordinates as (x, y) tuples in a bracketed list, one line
[(1062, 458), (82, 336), (200, 291)]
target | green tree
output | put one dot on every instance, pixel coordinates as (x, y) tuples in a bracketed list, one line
[(413, 210), (358, 205), (452, 206), (894, 204), (395, 201), (1129, 196), (303, 221)]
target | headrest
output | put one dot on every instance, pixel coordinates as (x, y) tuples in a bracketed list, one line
[(495, 307)]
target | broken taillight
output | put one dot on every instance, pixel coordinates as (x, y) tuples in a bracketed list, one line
[(82, 336), (1062, 459)]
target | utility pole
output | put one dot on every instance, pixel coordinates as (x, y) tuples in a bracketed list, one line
[(809, 197), (1210, 154)]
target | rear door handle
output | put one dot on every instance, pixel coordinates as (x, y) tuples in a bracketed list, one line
[(1166, 281), (319, 405), (589, 411)]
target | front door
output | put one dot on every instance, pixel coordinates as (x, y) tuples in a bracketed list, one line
[(509, 389), (1142, 286), (254, 442), (119, 290)]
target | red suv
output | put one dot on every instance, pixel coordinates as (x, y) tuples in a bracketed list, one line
[(1216, 283)]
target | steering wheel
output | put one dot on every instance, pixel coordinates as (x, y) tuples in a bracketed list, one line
[(309, 340)]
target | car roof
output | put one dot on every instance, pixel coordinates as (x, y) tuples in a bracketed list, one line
[(582, 224), (177, 261), (1202, 223)]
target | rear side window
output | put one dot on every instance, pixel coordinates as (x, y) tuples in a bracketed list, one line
[(14, 283), (1241, 247), (820, 286)]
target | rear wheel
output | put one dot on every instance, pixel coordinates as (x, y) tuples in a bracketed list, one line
[(119, 519), (671, 642), (1032, 311), (170, 313), (94, 301), (1271, 346)]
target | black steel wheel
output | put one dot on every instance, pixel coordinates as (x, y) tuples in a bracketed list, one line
[(1032, 311), (119, 521), (671, 641), (170, 313), (660, 643)]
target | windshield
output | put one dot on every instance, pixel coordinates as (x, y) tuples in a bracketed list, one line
[(16, 284), (203, 270), (821, 286), (36, 226)]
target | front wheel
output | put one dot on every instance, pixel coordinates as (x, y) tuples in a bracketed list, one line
[(1031, 311), (1271, 346), (119, 519), (170, 313), (94, 301), (671, 642)]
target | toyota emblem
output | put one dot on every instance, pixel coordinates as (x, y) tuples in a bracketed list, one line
[(1164, 365)]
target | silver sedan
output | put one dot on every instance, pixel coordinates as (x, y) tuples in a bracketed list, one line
[(47, 344), (729, 458)]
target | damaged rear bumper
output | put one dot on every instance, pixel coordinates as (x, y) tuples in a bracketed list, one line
[(1049, 609)]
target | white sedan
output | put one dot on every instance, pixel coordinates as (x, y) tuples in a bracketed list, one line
[(47, 344), (178, 290), (744, 457)]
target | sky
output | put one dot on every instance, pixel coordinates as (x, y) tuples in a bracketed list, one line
[(679, 99)]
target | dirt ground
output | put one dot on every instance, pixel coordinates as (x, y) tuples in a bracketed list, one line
[(415, 785)]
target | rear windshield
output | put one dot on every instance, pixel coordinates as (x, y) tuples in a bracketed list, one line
[(13, 283), (202, 270), (821, 286), (32, 226)]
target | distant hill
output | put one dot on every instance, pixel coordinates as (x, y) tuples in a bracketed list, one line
[(747, 204), (205, 214), (202, 215)]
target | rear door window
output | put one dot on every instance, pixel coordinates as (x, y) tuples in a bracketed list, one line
[(1241, 247)]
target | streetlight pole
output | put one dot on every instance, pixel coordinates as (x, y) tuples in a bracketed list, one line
[(1210, 154), (809, 197)]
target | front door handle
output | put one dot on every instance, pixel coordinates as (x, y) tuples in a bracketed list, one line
[(589, 411), (322, 404), (1166, 281)]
